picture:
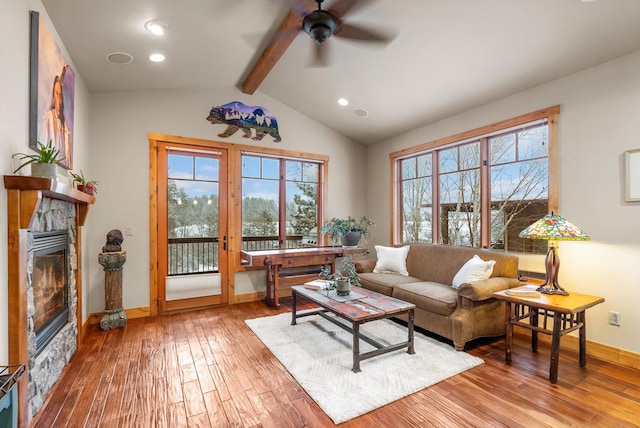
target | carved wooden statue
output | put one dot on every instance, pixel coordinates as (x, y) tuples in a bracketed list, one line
[(112, 259)]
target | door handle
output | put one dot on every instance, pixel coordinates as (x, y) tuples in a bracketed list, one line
[(224, 243)]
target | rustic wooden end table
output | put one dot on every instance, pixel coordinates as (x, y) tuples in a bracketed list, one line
[(567, 313), (372, 306)]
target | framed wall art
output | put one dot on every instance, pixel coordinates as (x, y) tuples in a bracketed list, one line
[(51, 92), (632, 175)]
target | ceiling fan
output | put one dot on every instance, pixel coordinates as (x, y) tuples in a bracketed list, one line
[(320, 25)]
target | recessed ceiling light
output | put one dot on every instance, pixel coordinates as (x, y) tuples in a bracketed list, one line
[(156, 27), (120, 58), (156, 57), (343, 101), (361, 112)]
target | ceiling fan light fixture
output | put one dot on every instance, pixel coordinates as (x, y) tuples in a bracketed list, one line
[(156, 27), (319, 25)]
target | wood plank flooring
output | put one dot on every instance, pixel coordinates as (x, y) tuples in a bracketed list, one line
[(207, 369)]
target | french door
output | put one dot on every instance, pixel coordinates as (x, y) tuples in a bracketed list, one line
[(192, 226)]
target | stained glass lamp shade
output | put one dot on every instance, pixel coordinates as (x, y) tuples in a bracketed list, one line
[(553, 228)]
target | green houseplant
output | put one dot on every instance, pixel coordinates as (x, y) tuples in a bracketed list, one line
[(87, 186), (348, 231), (341, 280), (43, 163)]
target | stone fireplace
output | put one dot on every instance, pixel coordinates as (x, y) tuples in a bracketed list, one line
[(52, 326), (45, 283)]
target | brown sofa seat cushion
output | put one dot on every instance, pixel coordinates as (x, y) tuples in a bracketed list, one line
[(433, 297), (384, 283)]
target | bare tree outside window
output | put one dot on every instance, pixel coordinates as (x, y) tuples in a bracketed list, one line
[(517, 190)]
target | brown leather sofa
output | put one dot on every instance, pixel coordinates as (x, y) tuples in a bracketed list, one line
[(457, 314)]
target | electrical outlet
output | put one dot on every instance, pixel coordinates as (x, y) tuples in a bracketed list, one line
[(128, 231), (614, 318)]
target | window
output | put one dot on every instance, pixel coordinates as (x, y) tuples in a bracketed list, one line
[(280, 200), (480, 188)]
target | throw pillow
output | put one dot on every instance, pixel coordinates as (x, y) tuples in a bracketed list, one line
[(475, 269), (392, 260)]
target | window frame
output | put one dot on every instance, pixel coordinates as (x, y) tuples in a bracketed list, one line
[(282, 181), (551, 116)]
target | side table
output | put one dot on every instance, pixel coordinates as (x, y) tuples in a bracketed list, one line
[(566, 312)]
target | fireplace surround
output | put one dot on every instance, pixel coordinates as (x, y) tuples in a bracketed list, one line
[(36, 205)]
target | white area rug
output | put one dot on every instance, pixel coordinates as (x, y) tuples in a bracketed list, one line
[(318, 355)]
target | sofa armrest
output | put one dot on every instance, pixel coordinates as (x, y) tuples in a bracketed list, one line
[(483, 290), (367, 265)]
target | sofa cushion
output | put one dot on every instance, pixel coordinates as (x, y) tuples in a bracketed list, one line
[(433, 297), (384, 282), (392, 260), (475, 269)]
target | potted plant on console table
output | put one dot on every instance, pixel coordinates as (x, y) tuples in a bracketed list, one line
[(348, 231)]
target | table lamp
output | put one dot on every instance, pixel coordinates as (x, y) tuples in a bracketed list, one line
[(553, 228)]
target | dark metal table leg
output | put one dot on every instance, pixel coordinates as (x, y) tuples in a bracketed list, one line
[(293, 307), (356, 347), (410, 349)]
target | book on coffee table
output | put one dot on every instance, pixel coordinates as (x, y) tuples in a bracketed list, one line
[(318, 284)]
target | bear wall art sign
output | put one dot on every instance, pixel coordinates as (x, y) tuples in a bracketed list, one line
[(238, 116)]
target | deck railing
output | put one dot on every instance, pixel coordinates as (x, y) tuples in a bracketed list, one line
[(200, 255)]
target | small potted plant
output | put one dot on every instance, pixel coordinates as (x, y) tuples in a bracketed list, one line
[(43, 163), (87, 186), (348, 231)]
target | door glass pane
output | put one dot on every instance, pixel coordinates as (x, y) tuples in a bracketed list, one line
[(193, 202)]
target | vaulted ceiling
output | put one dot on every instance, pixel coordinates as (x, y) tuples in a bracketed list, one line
[(445, 57)]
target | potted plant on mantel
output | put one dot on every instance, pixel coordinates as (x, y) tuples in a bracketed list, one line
[(89, 187), (348, 231), (43, 163)]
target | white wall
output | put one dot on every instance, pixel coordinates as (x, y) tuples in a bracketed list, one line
[(598, 122), (120, 148), (14, 120)]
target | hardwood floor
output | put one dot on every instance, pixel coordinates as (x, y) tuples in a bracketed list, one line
[(206, 368)]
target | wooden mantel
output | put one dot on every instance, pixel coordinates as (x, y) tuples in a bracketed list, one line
[(32, 189), (24, 196)]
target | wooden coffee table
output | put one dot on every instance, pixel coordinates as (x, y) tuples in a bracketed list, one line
[(370, 307)]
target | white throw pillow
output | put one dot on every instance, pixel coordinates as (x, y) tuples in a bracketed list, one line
[(475, 269), (392, 260)]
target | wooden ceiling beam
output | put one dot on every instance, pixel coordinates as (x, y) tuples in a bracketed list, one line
[(283, 38)]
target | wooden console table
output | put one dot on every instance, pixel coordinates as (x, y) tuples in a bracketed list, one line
[(566, 312), (279, 264)]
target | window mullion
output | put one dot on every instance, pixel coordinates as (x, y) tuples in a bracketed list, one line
[(435, 200), (282, 205), (485, 195)]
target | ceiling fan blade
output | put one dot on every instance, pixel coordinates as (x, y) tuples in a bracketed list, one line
[(320, 56), (340, 8), (353, 32), (283, 38)]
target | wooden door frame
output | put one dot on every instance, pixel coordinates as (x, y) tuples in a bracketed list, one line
[(233, 204), (157, 199)]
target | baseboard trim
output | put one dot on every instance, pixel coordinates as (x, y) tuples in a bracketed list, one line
[(141, 312)]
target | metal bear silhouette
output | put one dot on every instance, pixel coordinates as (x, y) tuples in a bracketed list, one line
[(238, 116)]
